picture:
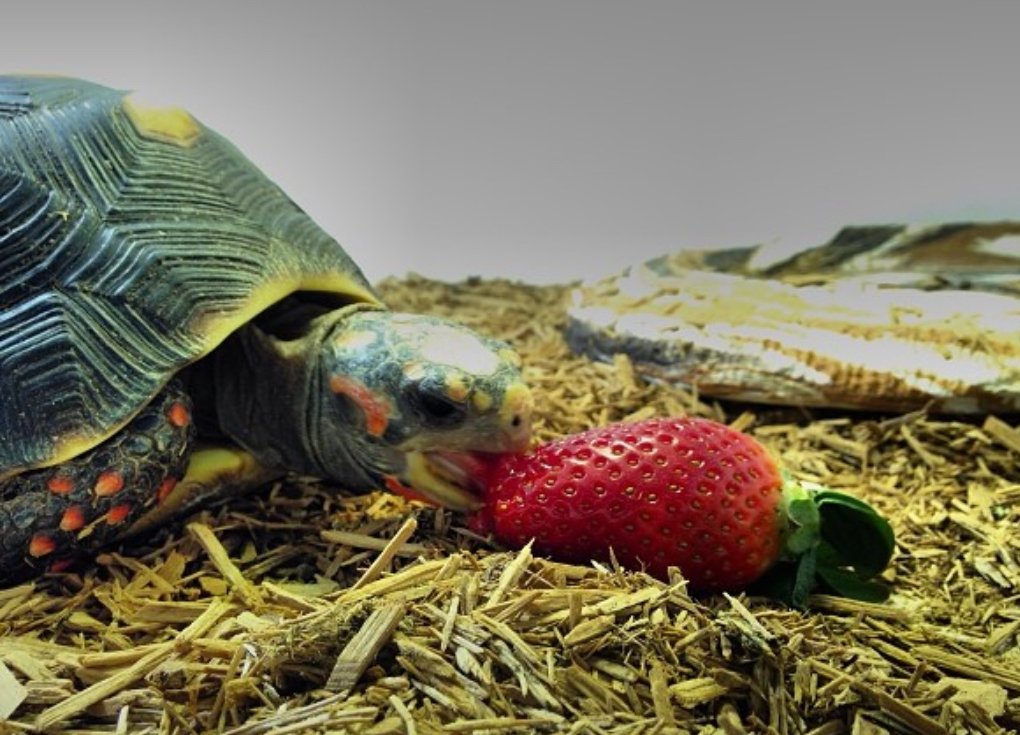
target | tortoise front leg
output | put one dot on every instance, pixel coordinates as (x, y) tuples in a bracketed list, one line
[(216, 473)]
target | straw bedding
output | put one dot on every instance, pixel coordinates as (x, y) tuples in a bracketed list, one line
[(305, 609)]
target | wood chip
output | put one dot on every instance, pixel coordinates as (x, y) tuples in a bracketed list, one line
[(589, 629), (362, 649), (499, 723), (365, 541), (903, 712), (390, 550), (658, 682), (12, 693), (882, 611), (694, 692), (221, 560), (510, 575), (114, 683), (1004, 676), (405, 715), (1002, 432)]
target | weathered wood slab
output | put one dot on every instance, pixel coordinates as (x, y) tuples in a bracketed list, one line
[(879, 318)]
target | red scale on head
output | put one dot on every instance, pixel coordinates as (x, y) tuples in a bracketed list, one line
[(377, 409)]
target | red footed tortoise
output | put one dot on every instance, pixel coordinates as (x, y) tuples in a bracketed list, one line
[(173, 327)]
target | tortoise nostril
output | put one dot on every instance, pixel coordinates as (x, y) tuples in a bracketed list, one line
[(516, 421)]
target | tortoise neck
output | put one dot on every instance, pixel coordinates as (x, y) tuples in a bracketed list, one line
[(265, 399)]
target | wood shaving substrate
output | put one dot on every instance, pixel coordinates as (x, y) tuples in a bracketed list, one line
[(306, 609)]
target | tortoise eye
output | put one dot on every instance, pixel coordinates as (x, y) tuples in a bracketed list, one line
[(437, 410)]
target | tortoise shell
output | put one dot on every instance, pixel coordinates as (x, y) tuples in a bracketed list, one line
[(133, 240)]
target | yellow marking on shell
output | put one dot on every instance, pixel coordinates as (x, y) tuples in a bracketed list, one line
[(164, 123), (456, 387), (217, 328), (66, 449), (482, 400), (357, 340)]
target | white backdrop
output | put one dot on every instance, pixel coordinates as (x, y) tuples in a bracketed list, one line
[(552, 140)]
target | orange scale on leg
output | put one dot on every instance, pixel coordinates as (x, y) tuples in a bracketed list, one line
[(60, 484), (41, 545), (165, 488), (178, 414), (108, 483), (118, 513), (73, 518), (61, 565)]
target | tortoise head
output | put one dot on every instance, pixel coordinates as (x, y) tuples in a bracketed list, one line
[(409, 399)]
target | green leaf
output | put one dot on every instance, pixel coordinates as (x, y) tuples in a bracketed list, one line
[(860, 537), (790, 582), (803, 511), (802, 514), (800, 541), (804, 581), (831, 496), (848, 584)]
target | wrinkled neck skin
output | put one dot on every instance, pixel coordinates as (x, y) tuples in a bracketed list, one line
[(266, 401)]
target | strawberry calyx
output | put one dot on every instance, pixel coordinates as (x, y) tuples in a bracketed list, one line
[(833, 543)]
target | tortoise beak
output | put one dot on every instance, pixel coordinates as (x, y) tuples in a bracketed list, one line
[(453, 480)]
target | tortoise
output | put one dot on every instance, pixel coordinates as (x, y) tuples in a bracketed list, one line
[(174, 328)]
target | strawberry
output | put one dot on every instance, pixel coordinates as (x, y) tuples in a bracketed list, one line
[(684, 492)]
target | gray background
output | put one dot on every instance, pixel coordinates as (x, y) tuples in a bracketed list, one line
[(547, 141)]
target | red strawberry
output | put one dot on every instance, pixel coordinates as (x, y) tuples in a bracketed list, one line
[(683, 492)]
